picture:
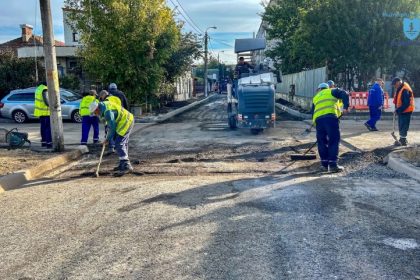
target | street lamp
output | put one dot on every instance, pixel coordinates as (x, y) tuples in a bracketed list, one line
[(206, 41)]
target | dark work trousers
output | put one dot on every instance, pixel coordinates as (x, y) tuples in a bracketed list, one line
[(46, 138), (121, 144), (87, 122), (404, 124), (328, 136), (375, 115)]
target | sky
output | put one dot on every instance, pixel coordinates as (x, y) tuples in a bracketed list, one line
[(234, 19)]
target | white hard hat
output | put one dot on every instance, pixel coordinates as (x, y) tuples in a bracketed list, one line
[(93, 106), (323, 86)]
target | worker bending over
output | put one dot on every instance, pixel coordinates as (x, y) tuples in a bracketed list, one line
[(120, 122), (326, 114)]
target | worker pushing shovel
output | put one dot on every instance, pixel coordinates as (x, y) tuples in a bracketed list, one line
[(326, 113), (120, 123)]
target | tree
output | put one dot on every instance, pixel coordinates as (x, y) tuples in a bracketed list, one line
[(353, 38), (126, 41), (183, 57), (17, 72)]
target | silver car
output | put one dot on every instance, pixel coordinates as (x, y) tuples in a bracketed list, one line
[(19, 105)]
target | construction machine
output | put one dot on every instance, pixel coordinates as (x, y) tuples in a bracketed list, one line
[(251, 97)]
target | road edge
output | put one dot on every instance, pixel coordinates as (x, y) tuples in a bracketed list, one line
[(181, 110), (396, 163), (21, 177)]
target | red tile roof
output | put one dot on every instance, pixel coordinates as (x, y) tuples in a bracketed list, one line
[(18, 43)]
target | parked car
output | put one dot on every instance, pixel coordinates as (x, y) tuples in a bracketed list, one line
[(19, 105)]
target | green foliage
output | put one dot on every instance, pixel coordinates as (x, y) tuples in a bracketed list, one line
[(350, 37), (70, 82), (127, 42), (17, 73), (183, 57)]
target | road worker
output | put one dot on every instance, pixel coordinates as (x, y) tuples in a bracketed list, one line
[(89, 120), (113, 91), (105, 96), (404, 108), (375, 103), (326, 114), (120, 122), (42, 111)]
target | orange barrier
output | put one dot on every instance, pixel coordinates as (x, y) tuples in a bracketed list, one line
[(358, 101)]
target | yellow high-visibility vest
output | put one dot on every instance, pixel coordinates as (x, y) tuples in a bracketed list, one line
[(325, 103), (84, 105), (41, 109), (124, 119), (114, 99)]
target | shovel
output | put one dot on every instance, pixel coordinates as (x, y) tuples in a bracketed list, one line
[(393, 128), (100, 160)]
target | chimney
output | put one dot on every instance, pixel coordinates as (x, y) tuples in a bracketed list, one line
[(26, 32)]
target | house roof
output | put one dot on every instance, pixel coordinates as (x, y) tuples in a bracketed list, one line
[(18, 43)]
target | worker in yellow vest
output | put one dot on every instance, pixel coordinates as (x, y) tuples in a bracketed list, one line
[(105, 96), (404, 108), (88, 120), (120, 122), (42, 111), (326, 114)]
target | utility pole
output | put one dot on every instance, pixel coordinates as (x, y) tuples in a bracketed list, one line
[(206, 52), (52, 76)]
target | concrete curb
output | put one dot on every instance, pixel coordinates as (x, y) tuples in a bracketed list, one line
[(182, 109), (293, 112), (396, 163), (18, 178)]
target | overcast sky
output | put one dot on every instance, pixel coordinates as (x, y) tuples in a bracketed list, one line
[(233, 18)]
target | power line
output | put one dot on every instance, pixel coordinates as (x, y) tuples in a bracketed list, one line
[(185, 11), (186, 19), (222, 42)]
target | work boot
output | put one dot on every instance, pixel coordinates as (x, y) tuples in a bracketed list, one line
[(119, 166), (125, 167), (368, 127), (335, 168), (374, 129), (403, 141), (323, 168)]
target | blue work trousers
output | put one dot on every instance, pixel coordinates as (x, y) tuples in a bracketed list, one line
[(404, 124), (121, 144), (45, 125), (328, 137), (87, 123), (375, 116)]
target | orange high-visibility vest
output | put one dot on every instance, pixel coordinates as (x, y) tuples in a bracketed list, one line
[(398, 99)]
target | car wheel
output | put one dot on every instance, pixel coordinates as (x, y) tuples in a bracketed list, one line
[(19, 116), (75, 116)]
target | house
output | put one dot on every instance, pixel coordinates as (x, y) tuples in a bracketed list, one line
[(31, 46), (27, 39)]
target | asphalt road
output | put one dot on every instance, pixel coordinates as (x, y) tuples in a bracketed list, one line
[(209, 203)]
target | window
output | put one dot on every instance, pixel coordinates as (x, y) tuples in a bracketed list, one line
[(25, 96), (69, 95), (75, 37), (72, 64)]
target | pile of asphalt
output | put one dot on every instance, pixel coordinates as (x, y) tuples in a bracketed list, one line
[(369, 164)]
